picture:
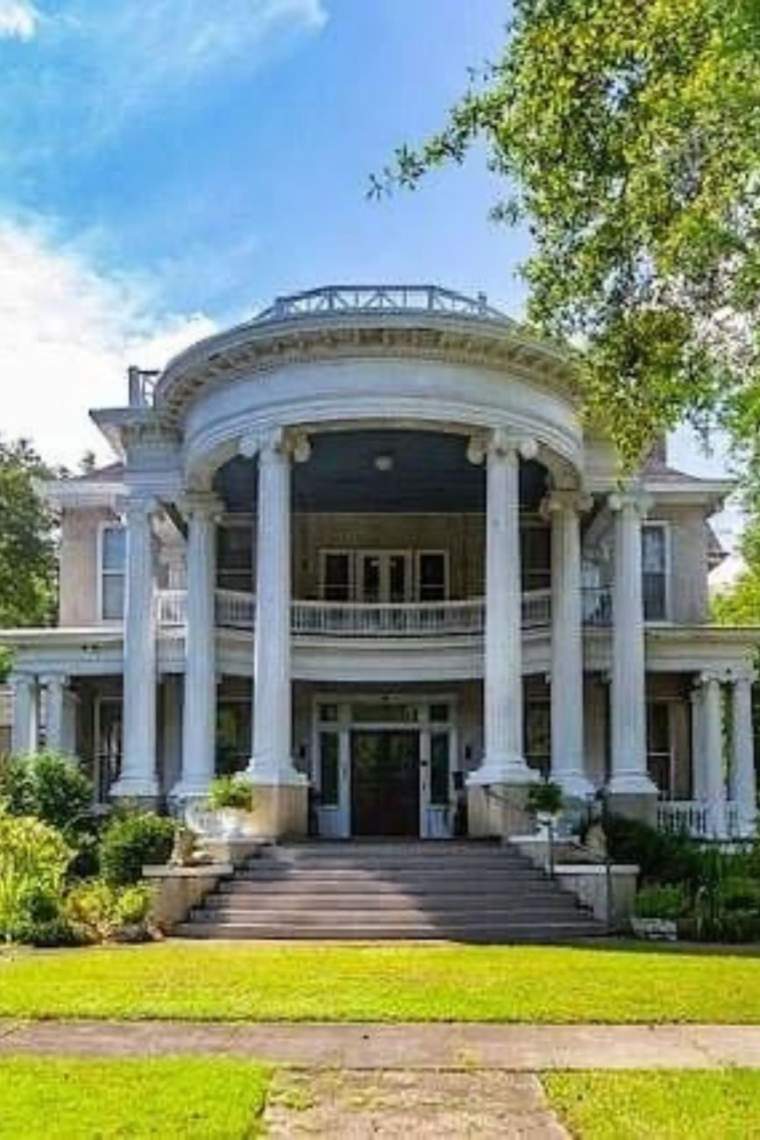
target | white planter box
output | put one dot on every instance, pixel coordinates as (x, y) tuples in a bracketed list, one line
[(655, 929)]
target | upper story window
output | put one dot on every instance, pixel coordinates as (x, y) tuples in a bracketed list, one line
[(234, 554), (535, 552), (113, 557), (654, 567)]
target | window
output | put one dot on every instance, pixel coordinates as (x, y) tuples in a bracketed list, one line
[(233, 736), (431, 576), (538, 739), (329, 769), (439, 769), (108, 745), (234, 554), (113, 557), (336, 576), (654, 571), (659, 754), (535, 548)]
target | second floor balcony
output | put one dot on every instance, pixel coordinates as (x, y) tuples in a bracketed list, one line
[(236, 610)]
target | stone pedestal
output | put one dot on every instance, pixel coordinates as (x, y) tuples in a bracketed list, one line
[(282, 810)]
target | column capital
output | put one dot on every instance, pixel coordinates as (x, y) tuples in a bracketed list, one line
[(201, 505), (632, 498), (276, 445), (746, 676), (561, 499), (500, 443), (21, 677), (50, 679), (708, 676), (139, 507)]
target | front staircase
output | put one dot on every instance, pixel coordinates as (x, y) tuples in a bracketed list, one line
[(468, 892)]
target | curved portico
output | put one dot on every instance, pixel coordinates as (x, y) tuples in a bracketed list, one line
[(368, 529)]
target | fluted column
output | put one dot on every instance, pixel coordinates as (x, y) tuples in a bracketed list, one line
[(629, 778), (138, 771), (199, 706), (713, 776), (743, 785), (567, 760), (271, 762), (503, 761), (24, 730)]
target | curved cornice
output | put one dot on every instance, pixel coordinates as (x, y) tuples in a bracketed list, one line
[(248, 349)]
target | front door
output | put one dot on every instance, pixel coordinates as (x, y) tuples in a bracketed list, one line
[(385, 782)]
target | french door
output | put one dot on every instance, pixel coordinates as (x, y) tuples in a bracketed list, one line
[(384, 576)]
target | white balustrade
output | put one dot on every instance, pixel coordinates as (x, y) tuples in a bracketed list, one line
[(235, 610), (695, 819)]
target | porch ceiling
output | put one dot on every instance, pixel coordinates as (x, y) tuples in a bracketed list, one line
[(430, 472)]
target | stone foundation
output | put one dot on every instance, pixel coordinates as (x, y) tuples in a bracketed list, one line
[(496, 811), (281, 810), (641, 806)]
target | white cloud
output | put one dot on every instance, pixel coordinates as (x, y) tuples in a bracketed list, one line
[(18, 19), (141, 52), (67, 334)]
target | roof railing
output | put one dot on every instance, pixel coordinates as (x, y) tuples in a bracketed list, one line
[(346, 299)]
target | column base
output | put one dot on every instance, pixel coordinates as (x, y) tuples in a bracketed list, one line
[(190, 789), (281, 810), (142, 790), (575, 786), (634, 797), (497, 811), (510, 770)]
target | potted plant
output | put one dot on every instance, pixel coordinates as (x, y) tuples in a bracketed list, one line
[(232, 800), (544, 802), (656, 911)]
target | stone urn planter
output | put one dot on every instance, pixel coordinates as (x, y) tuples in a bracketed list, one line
[(655, 929), (230, 810)]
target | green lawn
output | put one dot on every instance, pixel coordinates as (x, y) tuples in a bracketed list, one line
[(171, 1097), (297, 982), (721, 1105)]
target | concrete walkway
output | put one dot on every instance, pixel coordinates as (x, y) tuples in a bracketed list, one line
[(352, 1047)]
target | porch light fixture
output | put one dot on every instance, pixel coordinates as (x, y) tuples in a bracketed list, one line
[(384, 462)]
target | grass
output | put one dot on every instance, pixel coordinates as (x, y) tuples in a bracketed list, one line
[(298, 982), (171, 1097), (666, 1105)]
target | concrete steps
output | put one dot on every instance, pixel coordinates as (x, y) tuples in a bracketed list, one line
[(470, 892)]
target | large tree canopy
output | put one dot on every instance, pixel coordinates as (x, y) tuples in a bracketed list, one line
[(27, 548), (629, 135)]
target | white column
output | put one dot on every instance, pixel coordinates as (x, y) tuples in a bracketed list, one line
[(199, 708), (628, 697), (138, 771), (24, 730), (567, 762), (503, 760), (743, 784), (55, 685), (714, 782), (271, 762), (698, 766)]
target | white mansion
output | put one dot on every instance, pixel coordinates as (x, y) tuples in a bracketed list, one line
[(363, 548)]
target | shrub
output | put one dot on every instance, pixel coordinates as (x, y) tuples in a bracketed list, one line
[(662, 856), (231, 792), (99, 912), (661, 902), (50, 786), (33, 862), (132, 840)]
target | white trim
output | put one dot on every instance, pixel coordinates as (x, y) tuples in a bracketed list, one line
[(337, 821)]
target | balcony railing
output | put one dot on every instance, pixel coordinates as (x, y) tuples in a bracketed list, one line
[(236, 610), (698, 819)]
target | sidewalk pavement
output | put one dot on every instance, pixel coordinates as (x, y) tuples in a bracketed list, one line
[(454, 1046)]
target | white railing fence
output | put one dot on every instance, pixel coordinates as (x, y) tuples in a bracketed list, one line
[(699, 819), (236, 610), (344, 299)]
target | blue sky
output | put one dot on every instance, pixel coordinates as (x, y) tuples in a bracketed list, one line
[(168, 166)]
